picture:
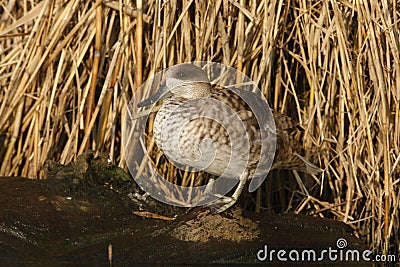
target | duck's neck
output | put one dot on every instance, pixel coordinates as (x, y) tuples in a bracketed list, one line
[(190, 91)]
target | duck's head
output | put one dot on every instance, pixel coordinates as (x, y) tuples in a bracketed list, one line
[(184, 81)]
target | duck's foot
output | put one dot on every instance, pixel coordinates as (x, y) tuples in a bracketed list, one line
[(206, 200), (221, 204), (216, 202), (226, 201)]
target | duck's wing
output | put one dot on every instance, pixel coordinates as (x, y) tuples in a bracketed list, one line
[(289, 146), (258, 119)]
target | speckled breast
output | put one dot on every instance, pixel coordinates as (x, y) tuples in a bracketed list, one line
[(219, 134)]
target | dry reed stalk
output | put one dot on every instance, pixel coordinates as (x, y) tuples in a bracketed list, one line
[(123, 8), (105, 108), (332, 65), (139, 44), (95, 67), (106, 85), (104, 112)]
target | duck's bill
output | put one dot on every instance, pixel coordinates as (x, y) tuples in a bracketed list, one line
[(161, 94)]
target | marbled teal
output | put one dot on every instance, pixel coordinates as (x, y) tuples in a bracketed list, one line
[(217, 130)]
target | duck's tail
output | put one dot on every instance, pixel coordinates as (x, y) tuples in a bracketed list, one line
[(308, 166)]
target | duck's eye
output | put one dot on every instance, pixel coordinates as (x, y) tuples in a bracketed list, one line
[(181, 74)]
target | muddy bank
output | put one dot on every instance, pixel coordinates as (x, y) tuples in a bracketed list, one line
[(72, 217)]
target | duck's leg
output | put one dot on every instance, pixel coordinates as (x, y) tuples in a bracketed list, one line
[(209, 197), (222, 202), (230, 201)]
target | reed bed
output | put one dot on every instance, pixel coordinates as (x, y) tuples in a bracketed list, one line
[(69, 68)]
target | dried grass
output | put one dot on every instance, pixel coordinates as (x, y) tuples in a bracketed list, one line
[(68, 69)]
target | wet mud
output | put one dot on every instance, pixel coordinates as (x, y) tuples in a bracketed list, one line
[(91, 213)]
